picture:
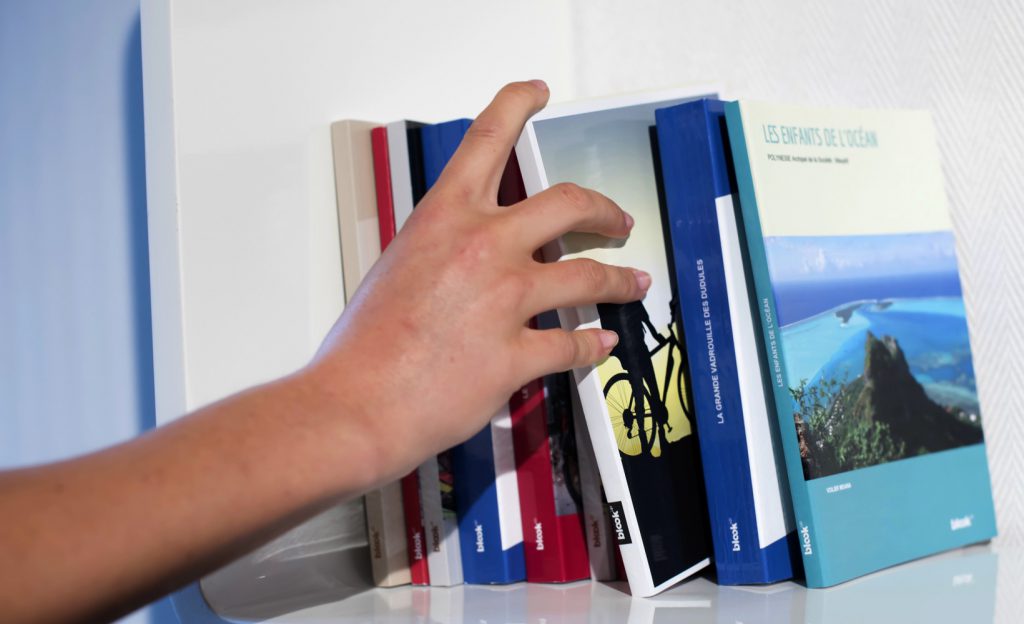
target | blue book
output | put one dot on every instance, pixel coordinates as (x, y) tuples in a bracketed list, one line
[(747, 494), (854, 266), (486, 489)]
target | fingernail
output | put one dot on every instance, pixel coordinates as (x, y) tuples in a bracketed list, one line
[(609, 339), (540, 84), (643, 279), (629, 220)]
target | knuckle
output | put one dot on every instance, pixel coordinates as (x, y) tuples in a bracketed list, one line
[(626, 282), (484, 130), (569, 348), (612, 211), (574, 195), (591, 273), (513, 288)]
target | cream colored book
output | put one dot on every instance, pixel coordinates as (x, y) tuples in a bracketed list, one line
[(360, 248)]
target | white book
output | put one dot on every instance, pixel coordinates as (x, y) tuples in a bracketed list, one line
[(440, 527), (636, 402), (360, 248), (402, 187)]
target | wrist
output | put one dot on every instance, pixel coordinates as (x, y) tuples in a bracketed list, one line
[(355, 445)]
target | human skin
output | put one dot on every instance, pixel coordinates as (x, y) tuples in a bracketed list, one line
[(435, 340)]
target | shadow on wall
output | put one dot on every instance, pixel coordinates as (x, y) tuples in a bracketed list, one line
[(161, 611)]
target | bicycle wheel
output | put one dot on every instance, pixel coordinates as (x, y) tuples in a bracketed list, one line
[(682, 385), (621, 402)]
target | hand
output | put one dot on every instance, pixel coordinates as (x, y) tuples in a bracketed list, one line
[(436, 338), (433, 343)]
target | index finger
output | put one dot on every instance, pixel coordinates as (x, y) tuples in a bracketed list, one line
[(480, 159)]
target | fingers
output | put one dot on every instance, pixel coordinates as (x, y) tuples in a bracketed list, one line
[(567, 208), (556, 350), (481, 158), (582, 281)]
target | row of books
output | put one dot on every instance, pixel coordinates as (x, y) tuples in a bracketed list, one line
[(795, 396), (516, 501)]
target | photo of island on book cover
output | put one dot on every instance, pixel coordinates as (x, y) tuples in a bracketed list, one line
[(855, 265), (877, 348), (636, 401)]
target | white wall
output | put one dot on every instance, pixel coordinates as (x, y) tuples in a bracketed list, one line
[(75, 344)]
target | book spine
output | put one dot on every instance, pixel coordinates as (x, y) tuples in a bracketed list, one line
[(564, 474), (486, 490), (600, 536), (401, 171), (439, 143), (355, 193), (418, 570), (553, 543), (385, 521), (382, 179), (487, 499), (417, 177), (689, 184), (439, 540), (766, 305), (533, 472), (444, 560)]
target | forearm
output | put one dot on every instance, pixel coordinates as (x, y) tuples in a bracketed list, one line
[(95, 536)]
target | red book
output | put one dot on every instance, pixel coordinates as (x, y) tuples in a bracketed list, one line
[(418, 570), (553, 538), (382, 179)]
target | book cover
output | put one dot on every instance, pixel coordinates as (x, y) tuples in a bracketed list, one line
[(855, 271), (744, 472), (486, 489), (636, 402), (409, 485), (360, 247)]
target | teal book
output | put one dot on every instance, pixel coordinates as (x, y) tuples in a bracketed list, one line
[(855, 278)]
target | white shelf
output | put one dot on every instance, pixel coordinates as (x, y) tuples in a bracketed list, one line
[(974, 585)]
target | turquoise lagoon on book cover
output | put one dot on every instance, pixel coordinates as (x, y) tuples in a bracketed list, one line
[(862, 313)]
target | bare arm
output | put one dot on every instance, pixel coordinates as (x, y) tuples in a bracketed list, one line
[(433, 343)]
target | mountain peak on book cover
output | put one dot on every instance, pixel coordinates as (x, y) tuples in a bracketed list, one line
[(854, 263)]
